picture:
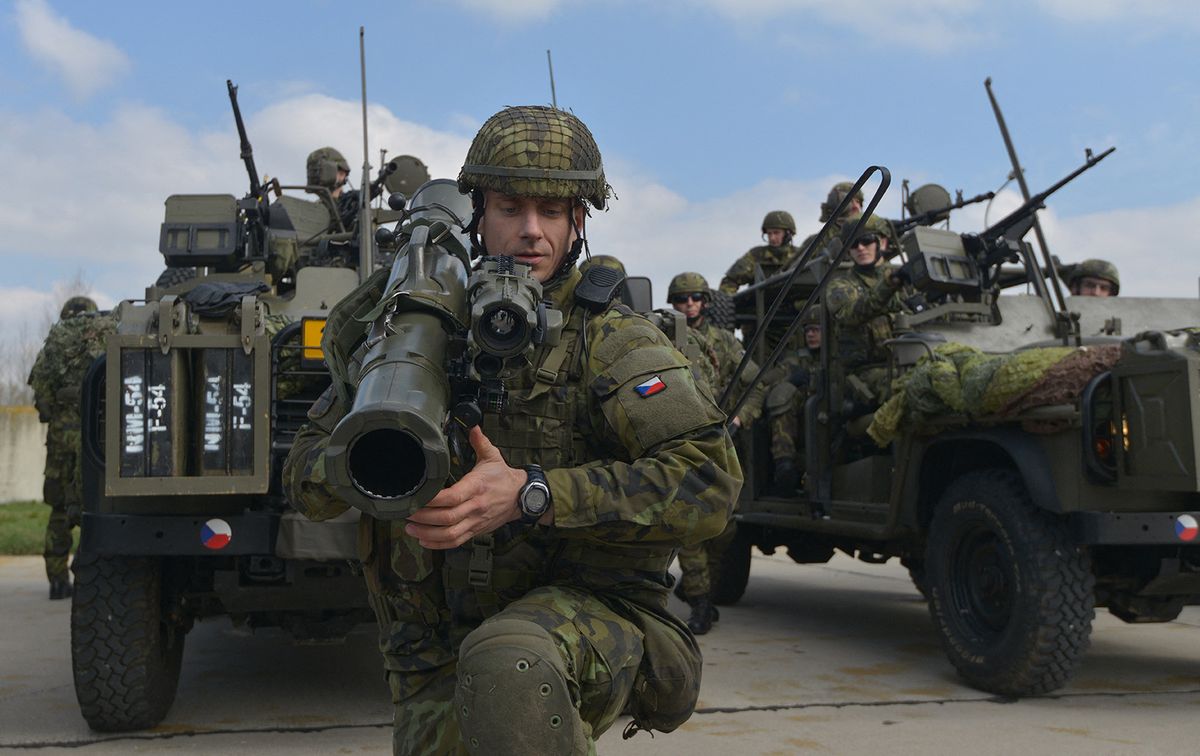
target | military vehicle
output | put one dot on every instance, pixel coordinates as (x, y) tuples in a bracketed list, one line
[(188, 418), (1017, 510)]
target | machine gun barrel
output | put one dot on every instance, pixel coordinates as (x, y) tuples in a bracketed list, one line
[(256, 189), (932, 216), (1017, 223)]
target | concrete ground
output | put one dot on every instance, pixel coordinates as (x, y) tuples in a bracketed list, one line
[(837, 658)]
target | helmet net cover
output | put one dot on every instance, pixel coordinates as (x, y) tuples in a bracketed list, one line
[(77, 305), (1096, 269), (536, 151), (322, 166)]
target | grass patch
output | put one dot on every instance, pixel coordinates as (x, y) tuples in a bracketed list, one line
[(23, 528)]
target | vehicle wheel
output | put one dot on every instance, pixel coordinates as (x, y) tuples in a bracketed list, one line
[(174, 276), (916, 572), (720, 310), (124, 654), (732, 573), (1010, 596)]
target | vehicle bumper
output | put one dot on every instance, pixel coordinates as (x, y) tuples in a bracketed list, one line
[(1136, 528)]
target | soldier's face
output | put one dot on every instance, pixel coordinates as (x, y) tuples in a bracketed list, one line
[(865, 253), (1090, 286), (535, 230), (812, 337), (692, 307), (775, 237)]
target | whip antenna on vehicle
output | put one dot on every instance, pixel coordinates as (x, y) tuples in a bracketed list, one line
[(1019, 175), (550, 65), (366, 251)]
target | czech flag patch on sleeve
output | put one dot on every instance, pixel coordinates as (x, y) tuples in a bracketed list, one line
[(651, 387)]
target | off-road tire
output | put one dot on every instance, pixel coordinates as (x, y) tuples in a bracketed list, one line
[(1010, 596), (174, 276), (731, 575), (917, 573), (720, 310), (125, 657)]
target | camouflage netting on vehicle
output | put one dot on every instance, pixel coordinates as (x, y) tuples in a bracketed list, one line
[(963, 381)]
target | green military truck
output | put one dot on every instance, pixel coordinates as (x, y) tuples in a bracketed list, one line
[(1018, 508), (188, 419)]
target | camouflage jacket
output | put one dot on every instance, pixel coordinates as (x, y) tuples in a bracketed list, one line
[(725, 352), (57, 375), (771, 259), (861, 305), (634, 474)]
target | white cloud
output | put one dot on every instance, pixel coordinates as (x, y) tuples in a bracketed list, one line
[(515, 11), (1166, 13), (87, 64)]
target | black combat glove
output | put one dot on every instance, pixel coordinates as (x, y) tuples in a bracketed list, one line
[(800, 378)]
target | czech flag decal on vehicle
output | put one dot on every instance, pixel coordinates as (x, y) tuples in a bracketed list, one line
[(216, 534), (1186, 527), (650, 387)]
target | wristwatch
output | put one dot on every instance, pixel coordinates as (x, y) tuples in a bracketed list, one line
[(534, 498)]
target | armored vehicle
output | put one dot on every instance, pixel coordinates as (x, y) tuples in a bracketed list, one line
[(188, 418), (1039, 456)]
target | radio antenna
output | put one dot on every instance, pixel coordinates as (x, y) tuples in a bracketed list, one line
[(366, 253), (550, 65)]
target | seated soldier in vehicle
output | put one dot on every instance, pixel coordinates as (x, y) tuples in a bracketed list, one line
[(778, 229), (1094, 278), (785, 403), (862, 301)]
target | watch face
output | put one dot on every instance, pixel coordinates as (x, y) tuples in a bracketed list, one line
[(536, 499)]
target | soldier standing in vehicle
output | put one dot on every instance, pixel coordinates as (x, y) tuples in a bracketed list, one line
[(605, 460), (861, 302), (853, 209), (1094, 278), (327, 169), (778, 229), (689, 293), (74, 342), (785, 402)]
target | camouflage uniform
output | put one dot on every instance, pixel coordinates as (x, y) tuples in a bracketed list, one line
[(861, 304), (57, 376), (697, 562), (632, 478), (785, 402), (770, 259)]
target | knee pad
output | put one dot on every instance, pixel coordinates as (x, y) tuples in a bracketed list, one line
[(781, 398), (512, 695)]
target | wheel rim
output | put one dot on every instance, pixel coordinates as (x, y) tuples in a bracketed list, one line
[(982, 586)]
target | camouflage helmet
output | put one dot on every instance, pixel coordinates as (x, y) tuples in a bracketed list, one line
[(812, 318), (836, 195), (322, 167), (1096, 269), (536, 151), (874, 225), (75, 306), (603, 261), (687, 283), (779, 219)]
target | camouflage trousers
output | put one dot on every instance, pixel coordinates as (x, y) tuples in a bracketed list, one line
[(699, 564), (61, 492), (599, 651)]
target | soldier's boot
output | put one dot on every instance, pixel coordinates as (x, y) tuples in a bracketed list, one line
[(704, 614), (60, 588), (787, 477)]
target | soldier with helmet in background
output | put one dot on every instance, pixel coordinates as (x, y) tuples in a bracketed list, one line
[(326, 169), (778, 229), (1094, 278), (689, 293), (523, 609), (74, 342)]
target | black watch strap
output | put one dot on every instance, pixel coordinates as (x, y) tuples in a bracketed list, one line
[(534, 499)]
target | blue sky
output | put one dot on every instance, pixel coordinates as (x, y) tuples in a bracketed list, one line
[(709, 113)]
